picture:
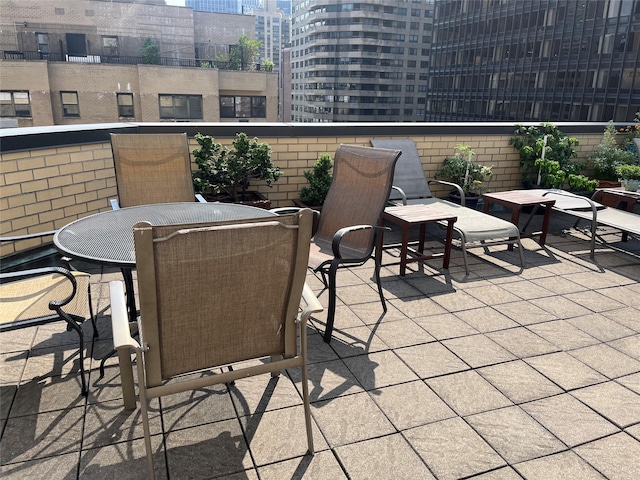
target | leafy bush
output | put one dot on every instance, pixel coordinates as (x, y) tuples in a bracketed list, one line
[(580, 183), (461, 169), (319, 181), (150, 52), (629, 172), (607, 156), (545, 155), (225, 173)]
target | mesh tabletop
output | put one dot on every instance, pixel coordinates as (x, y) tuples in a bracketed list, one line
[(107, 237)]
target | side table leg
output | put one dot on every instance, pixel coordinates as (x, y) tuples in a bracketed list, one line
[(126, 379), (515, 219), (423, 228), (403, 250), (545, 225), (447, 244)]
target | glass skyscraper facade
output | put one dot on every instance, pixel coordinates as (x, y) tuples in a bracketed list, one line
[(223, 6), (534, 60)]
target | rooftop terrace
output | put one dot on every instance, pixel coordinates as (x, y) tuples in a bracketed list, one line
[(507, 373)]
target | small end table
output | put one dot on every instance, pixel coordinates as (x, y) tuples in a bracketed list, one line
[(516, 200), (407, 216)]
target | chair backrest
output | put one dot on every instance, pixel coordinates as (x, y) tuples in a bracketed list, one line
[(359, 191), (409, 174), (221, 293), (152, 168)]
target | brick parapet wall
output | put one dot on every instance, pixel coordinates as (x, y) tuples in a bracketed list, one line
[(44, 189)]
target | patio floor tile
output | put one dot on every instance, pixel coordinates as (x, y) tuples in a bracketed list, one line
[(445, 326), (628, 345), (478, 350), (61, 466), (467, 393), (563, 335), (560, 465), (522, 342), (411, 404), (564, 370), (519, 381), (431, 359), (402, 333), (438, 443), (389, 457), (611, 456), (379, 369), (569, 420), (486, 319), (514, 434), (601, 327), (606, 360), (613, 401), (322, 466)]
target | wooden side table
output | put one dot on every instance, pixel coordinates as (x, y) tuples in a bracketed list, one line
[(516, 200), (407, 216)]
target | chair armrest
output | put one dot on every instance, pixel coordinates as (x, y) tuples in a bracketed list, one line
[(114, 204), (401, 192), (200, 198), (313, 305), (337, 238), (119, 319), (453, 185), (37, 272), (27, 236)]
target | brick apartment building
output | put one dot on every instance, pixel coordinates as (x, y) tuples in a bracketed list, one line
[(80, 61)]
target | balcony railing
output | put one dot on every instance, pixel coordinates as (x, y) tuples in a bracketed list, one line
[(123, 60)]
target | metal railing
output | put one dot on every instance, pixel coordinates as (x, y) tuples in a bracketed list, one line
[(123, 60)]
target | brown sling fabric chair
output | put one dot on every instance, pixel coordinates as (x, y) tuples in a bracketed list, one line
[(152, 168), (43, 295), (348, 225), (184, 330)]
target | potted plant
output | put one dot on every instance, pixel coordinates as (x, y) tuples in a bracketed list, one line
[(607, 157), (545, 155), (319, 179), (224, 173), (464, 171), (630, 177), (581, 184)]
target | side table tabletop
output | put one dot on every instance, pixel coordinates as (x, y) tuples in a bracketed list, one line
[(617, 198), (516, 200), (407, 216)]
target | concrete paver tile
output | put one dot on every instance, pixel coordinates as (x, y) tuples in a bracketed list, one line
[(327, 380), (522, 342), (565, 370), (351, 418), (430, 360), (402, 333), (628, 345), (563, 335), (514, 434), (569, 420), (613, 401), (379, 369), (615, 456), (445, 326), (411, 404), (525, 313), (607, 360), (252, 395), (632, 382), (467, 393), (519, 382), (452, 449), (322, 466), (560, 465), (61, 466), (389, 457), (486, 319), (561, 307), (601, 327), (478, 350)]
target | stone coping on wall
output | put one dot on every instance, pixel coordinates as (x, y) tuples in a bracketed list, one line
[(32, 138)]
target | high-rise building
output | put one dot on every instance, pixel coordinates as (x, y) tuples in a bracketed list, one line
[(363, 61), (535, 60), (273, 29), (223, 6)]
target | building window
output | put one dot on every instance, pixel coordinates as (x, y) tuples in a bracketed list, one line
[(110, 46), (43, 42), (243, 107), (125, 105), (181, 107), (70, 106), (15, 104)]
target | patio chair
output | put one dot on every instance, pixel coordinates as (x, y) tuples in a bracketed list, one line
[(38, 296), (349, 222), (254, 272), (152, 168), (410, 186)]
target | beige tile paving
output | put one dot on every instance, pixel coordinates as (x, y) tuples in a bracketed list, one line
[(502, 374)]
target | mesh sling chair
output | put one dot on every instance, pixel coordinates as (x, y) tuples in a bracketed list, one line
[(237, 319), (410, 187), (152, 168), (349, 222), (39, 296)]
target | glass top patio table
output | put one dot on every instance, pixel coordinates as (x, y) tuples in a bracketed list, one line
[(107, 238)]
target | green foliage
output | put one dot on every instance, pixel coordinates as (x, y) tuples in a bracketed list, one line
[(547, 164), (319, 181), (243, 54), (150, 52), (461, 169), (225, 172), (607, 156), (268, 66), (629, 172), (581, 183), (632, 131)]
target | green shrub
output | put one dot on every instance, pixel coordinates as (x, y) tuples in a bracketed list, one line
[(319, 179)]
